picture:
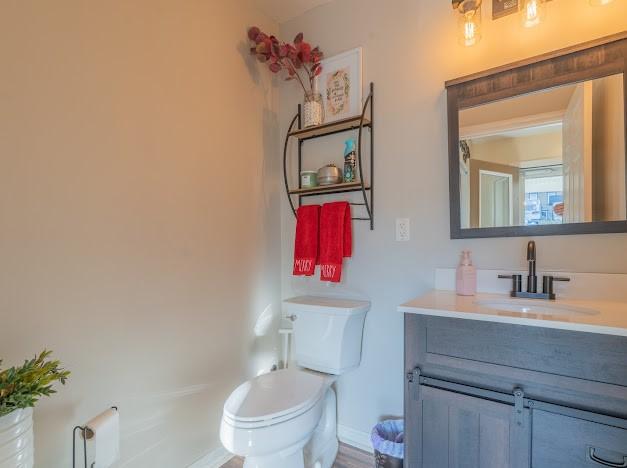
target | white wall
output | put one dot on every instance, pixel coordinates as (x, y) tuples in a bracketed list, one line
[(608, 143), (410, 49), (139, 235)]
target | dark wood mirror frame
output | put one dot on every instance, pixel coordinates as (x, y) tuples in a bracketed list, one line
[(587, 61)]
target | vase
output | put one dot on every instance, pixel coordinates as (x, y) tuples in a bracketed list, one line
[(16, 439), (313, 110)]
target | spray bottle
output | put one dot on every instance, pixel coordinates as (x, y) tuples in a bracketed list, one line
[(350, 158)]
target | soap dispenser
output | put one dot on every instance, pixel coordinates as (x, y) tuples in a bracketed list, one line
[(466, 278)]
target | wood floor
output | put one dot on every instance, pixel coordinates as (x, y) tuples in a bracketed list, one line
[(348, 457)]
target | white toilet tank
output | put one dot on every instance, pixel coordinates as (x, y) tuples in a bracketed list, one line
[(327, 332)]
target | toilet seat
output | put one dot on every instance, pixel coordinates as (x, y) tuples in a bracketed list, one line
[(273, 398)]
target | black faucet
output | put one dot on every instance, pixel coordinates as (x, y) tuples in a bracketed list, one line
[(532, 280)]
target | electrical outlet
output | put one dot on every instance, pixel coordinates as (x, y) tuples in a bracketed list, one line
[(402, 229)]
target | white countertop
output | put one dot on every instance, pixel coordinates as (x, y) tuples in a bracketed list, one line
[(595, 316)]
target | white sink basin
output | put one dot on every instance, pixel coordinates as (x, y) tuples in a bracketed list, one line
[(534, 306)]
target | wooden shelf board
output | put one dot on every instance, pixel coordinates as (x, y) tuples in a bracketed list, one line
[(329, 128), (324, 189)]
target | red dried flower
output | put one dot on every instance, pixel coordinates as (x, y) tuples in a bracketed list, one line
[(285, 56), (253, 33), (304, 53)]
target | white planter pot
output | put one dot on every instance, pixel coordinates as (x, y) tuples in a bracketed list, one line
[(16, 439)]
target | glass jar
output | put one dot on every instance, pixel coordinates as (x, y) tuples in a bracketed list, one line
[(313, 110), (308, 179)]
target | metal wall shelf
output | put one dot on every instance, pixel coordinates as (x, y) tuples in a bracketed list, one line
[(359, 122), (327, 189), (345, 125)]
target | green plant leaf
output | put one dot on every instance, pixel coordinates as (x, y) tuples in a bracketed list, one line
[(21, 387)]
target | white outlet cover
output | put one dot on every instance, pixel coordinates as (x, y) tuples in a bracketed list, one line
[(402, 229)]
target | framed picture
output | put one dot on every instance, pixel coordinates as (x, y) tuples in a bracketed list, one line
[(341, 86), (501, 8)]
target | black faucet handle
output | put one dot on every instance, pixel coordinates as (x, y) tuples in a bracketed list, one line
[(547, 283), (516, 282)]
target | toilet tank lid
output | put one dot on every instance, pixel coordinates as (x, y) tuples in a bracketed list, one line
[(326, 305)]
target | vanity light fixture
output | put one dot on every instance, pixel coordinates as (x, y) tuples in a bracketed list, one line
[(469, 23), (532, 12)]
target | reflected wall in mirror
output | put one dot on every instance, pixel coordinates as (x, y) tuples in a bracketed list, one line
[(556, 156)]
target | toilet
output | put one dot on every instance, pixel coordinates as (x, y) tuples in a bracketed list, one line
[(288, 418)]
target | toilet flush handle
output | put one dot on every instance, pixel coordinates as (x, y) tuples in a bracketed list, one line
[(292, 317)]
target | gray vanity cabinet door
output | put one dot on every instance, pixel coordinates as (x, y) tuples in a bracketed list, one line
[(563, 442), (460, 431)]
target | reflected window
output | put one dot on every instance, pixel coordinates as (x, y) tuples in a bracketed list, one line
[(544, 195)]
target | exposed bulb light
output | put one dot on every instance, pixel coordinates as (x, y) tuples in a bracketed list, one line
[(469, 22), (532, 12), (471, 29), (600, 2)]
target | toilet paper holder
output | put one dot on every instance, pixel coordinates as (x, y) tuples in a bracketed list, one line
[(86, 434)]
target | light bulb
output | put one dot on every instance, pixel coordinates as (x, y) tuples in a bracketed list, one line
[(470, 26), (533, 12), (470, 30)]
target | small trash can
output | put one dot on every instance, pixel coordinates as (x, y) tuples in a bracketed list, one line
[(388, 444)]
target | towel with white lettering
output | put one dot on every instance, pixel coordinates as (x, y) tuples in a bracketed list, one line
[(306, 241), (336, 239)]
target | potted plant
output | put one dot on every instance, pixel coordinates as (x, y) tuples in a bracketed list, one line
[(20, 389), (299, 60)]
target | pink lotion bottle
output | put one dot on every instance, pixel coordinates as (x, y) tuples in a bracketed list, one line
[(466, 278)]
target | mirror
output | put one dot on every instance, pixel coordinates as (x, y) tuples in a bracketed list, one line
[(556, 156), (538, 147)]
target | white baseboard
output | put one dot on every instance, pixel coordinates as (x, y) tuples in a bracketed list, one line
[(354, 438), (214, 459)]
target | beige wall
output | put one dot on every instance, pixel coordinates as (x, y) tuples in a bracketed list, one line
[(139, 235), (546, 148), (517, 109), (410, 49)]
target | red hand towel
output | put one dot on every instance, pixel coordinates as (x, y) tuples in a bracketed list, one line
[(306, 242), (336, 239)]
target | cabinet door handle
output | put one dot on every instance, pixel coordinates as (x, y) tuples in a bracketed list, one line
[(600, 461)]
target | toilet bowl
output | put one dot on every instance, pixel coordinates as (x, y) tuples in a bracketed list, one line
[(288, 418), (281, 418)]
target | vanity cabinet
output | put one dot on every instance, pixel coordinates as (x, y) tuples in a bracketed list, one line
[(462, 431), (485, 394)]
